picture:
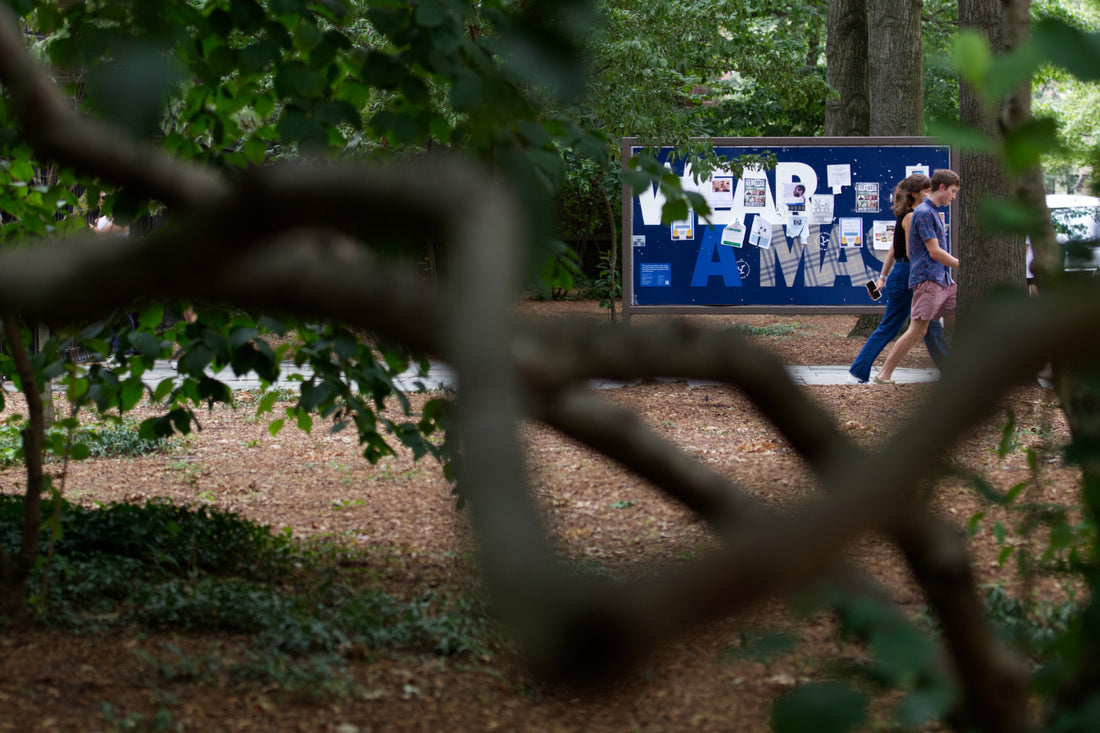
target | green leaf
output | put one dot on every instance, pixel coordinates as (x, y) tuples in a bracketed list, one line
[(399, 128), (163, 389), (336, 112), (247, 15), (276, 426), (963, 137), (295, 79), (241, 336), (145, 344), (1011, 70), (382, 71), (267, 404), (637, 180), (973, 57), (824, 707), (196, 360), (307, 35), (132, 392), (674, 211), (295, 126), (305, 421), (1026, 144), (154, 428), (255, 150), (1071, 48), (151, 317), (901, 651), (260, 55), (926, 704), (132, 89), (997, 216)]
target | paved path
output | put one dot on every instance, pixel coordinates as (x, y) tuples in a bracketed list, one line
[(442, 376)]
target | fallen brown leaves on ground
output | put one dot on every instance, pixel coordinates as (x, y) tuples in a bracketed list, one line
[(599, 517)]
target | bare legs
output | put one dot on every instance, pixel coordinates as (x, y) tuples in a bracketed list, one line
[(913, 334)]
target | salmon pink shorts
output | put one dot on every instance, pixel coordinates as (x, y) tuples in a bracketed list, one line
[(932, 300)]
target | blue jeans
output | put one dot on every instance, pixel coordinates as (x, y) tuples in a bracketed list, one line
[(899, 298)]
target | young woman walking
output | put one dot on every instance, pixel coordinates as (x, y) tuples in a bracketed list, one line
[(895, 278)]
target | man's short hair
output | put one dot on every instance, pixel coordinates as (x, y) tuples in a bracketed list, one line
[(944, 177)]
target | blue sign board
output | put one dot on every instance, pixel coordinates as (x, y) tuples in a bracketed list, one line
[(802, 236)]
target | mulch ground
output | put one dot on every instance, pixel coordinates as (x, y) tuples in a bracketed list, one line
[(403, 514)]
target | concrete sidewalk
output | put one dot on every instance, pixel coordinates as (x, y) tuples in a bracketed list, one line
[(442, 376)]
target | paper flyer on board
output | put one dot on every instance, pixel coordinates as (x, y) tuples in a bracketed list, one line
[(851, 232), (839, 176), (734, 234), (761, 233), (721, 192), (821, 208), (867, 197), (798, 227), (756, 193), (883, 234), (794, 196), (684, 230)]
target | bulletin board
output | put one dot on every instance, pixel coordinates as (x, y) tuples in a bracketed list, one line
[(802, 237)]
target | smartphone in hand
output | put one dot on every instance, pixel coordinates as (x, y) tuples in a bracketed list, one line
[(874, 292)]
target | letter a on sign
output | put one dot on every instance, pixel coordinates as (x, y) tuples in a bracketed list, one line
[(706, 267)]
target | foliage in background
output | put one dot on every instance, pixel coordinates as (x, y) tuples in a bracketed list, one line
[(236, 84), (1072, 100)]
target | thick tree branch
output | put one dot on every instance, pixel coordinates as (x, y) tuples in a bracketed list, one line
[(995, 681), (621, 435)]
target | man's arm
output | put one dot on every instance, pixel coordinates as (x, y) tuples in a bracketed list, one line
[(939, 254)]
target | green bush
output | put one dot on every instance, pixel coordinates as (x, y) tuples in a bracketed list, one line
[(162, 535), (163, 566), (106, 440)]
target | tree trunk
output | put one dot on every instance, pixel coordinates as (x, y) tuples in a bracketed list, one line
[(848, 113), (15, 570), (895, 65), (987, 261)]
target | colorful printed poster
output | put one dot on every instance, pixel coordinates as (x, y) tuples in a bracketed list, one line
[(883, 237), (756, 193), (761, 235), (734, 234), (851, 232), (867, 197), (721, 192)]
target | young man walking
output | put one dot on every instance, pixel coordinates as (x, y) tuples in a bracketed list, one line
[(934, 290)]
